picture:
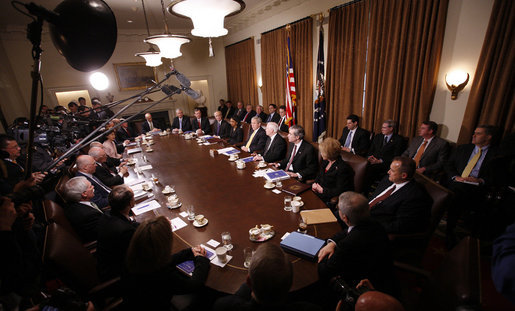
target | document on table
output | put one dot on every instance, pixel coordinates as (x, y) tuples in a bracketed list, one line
[(134, 150), (262, 173), (145, 167), (145, 207), (177, 224), (228, 151)]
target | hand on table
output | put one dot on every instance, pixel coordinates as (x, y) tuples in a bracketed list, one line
[(327, 250), (198, 251)]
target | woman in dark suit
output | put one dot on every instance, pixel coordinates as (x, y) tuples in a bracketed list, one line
[(236, 134), (335, 176), (151, 278)]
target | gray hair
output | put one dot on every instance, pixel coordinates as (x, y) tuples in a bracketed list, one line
[(95, 144), (74, 188), (391, 123), (273, 126), (298, 131), (354, 206), (258, 119), (96, 152)]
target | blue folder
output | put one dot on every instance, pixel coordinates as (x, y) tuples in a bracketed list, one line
[(302, 245)]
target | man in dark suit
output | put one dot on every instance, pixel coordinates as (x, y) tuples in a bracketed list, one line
[(384, 148), (221, 107), (124, 132), (180, 123), (201, 124), (469, 176), (240, 111), (301, 160), (221, 127), (249, 114), (115, 232), (103, 172), (149, 125), (282, 121), (82, 213), (86, 167), (361, 251), (260, 113), (229, 110), (355, 139), (428, 150), (275, 145), (399, 203), (257, 137), (273, 116), (268, 282)]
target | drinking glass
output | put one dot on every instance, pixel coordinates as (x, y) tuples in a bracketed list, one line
[(303, 225), (287, 203), (247, 256), (278, 185), (191, 213), (226, 240)]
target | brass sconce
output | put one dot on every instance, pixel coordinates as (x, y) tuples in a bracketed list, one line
[(456, 81)]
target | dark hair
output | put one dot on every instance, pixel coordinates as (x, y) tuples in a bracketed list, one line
[(4, 140), (81, 98), (270, 274), (298, 131), (82, 108), (408, 166), (273, 105), (120, 198), (71, 104), (235, 118), (59, 108), (391, 123), (282, 107), (489, 129), (353, 118), (432, 126)]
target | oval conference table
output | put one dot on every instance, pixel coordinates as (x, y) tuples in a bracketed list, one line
[(231, 199)]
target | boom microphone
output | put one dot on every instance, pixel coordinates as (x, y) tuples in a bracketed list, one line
[(185, 82), (170, 89), (191, 93)]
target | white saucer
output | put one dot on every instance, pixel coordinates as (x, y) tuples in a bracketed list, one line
[(301, 203), (196, 224), (269, 187), (167, 192), (149, 150), (174, 206), (262, 165), (242, 168), (232, 160)]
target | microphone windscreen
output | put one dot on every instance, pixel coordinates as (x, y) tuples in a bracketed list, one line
[(192, 93), (182, 79)]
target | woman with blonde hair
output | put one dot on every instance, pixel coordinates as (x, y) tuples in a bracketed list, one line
[(151, 278), (335, 175)]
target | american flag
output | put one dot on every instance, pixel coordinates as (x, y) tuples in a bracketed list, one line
[(291, 94)]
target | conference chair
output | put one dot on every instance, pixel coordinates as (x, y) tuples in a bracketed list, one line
[(359, 165)]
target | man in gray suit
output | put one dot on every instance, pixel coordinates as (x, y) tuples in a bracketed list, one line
[(427, 150)]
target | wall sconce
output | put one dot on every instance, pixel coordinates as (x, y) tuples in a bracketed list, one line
[(260, 82), (456, 81)]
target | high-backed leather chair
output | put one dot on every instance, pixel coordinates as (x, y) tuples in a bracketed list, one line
[(245, 127), (59, 187), (359, 165)]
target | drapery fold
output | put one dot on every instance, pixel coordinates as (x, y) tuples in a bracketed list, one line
[(240, 66)]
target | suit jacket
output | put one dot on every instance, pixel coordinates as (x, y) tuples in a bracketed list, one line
[(114, 235), (101, 194), (258, 142), (249, 117), (204, 125), (387, 152), (407, 210), (145, 127), (338, 179), (263, 116), (282, 125), (15, 174), (434, 156), (304, 162), (276, 151), (107, 176), (275, 118), (186, 124), (224, 131), (240, 113), (122, 135), (459, 160), (41, 158), (84, 219), (360, 141), (235, 136), (228, 113), (360, 254)]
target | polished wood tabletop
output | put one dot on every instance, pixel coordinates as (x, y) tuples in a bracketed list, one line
[(231, 199)]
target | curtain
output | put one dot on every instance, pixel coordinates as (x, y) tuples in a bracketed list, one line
[(240, 65), (404, 50), (345, 64), (273, 69), (491, 99)]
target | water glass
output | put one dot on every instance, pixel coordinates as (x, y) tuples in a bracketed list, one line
[(247, 256), (226, 240), (287, 203), (191, 213)]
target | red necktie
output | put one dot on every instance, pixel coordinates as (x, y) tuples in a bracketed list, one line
[(381, 198), (199, 126), (291, 159)]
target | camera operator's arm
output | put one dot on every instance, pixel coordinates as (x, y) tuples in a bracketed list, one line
[(365, 283)]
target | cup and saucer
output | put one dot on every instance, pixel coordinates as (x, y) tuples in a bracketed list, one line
[(269, 185), (131, 162), (149, 149), (168, 190), (261, 164), (200, 221), (233, 157), (240, 164)]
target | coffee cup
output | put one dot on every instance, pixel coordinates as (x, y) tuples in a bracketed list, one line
[(221, 253), (145, 186), (266, 228), (240, 164), (297, 198), (269, 184), (295, 206), (254, 232), (173, 200), (200, 219), (168, 188)]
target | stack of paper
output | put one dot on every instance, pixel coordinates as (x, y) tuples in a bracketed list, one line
[(228, 151), (145, 207)]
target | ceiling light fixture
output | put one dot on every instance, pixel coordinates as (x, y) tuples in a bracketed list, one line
[(169, 45), (152, 57)]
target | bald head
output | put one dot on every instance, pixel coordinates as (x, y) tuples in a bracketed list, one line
[(86, 164), (98, 154), (95, 144), (377, 301), (148, 117)]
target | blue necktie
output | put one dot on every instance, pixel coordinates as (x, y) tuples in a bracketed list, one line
[(348, 140)]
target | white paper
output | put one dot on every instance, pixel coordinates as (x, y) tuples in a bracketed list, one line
[(276, 191), (145, 167), (139, 194), (177, 224), (285, 235), (207, 144), (183, 214), (213, 243), (145, 207), (136, 183), (217, 262), (262, 173), (134, 150)]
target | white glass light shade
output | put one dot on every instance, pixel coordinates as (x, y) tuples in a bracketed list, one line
[(207, 15), (456, 78), (152, 58), (169, 45), (99, 81)]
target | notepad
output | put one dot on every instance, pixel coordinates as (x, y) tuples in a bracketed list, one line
[(317, 216)]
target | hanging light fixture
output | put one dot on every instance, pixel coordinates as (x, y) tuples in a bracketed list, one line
[(207, 15), (169, 45), (152, 57)]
